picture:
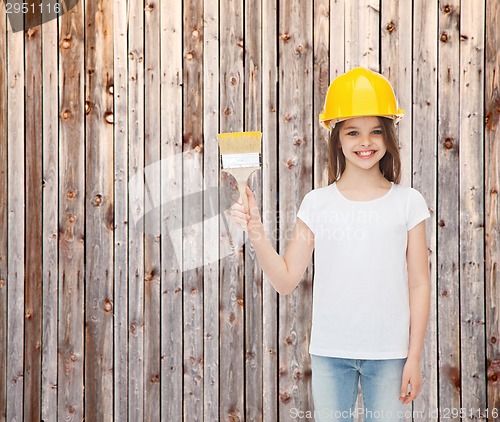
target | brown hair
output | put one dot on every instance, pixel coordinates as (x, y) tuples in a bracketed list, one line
[(390, 164)]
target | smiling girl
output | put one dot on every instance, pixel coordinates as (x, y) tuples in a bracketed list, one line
[(371, 291)]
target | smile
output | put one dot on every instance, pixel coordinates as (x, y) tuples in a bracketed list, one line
[(365, 154)]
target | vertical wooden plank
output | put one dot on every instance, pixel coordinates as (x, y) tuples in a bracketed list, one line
[(232, 405), (269, 202), (337, 40), (193, 209), (362, 34), (99, 222), (448, 203), (396, 65), (171, 211), (33, 224), (121, 223), (15, 224), (295, 179), (253, 273), (71, 215), (492, 204), (50, 230), (136, 203), (3, 211), (321, 81), (151, 220), (171, 192), (424, 112), (472, 327), (211, 361)]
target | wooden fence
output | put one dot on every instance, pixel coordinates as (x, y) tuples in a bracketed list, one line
[(113, 307)]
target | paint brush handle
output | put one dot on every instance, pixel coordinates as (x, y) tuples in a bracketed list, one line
[(241, 175)]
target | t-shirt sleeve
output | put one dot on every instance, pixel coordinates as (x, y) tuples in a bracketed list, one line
[(417, 209), (306, 213)]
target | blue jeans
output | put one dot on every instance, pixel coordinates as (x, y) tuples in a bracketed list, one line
[(335, 388)]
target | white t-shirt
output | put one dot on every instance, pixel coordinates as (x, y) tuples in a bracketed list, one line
[(360, 293)]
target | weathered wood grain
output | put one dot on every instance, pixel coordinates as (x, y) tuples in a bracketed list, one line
[(253, 274), (71, 215), (422, 177), (136, 197), (152, 240), (472, 322), (448, 205), (492, 204), (192, 247), (269, 208), (295, 180), (99, 206), (33, 224), (121, 212), (4, 312), (211, 229), (171, 77)]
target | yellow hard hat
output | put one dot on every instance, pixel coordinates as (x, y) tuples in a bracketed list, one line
[(359, 92)]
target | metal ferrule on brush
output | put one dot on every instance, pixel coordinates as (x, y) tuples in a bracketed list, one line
[(234, 161)]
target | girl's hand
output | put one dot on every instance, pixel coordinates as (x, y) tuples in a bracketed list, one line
[(411, 375), (248, 220)]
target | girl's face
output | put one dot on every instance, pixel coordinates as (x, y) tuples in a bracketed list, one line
[(362, 134)]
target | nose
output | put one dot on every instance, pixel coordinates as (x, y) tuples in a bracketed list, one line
[(365, 140)]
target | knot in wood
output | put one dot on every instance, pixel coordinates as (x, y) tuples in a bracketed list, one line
[(66, 43), (447, 8), (493, 340), (71, 194), (233, 80), (108, 306), (291, 162), (391, 26), (155, 379), (240, 302), (190, 56), (285, 37), (97, 200), (441, 223), (299, 49), (240, 43), (2, 282), (110, 89), (109, 117), (227, 111), (88, 107), (66, 115), (71, 218), (287, 117), (448, 143), (195, 33), (444, 37), (149, 7), (28, 314)]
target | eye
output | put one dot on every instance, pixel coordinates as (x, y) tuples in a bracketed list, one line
[(353, 133), (377, 132)]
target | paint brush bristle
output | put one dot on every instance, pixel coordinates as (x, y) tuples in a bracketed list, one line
[(240, 142)]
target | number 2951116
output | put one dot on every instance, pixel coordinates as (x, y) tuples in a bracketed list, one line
[(33, 8)]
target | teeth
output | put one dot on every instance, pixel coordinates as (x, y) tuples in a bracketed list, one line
[(365, 154)]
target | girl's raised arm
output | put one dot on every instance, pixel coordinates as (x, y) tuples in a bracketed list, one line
[(284, 273)]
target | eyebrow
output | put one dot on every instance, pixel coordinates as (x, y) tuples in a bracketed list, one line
[(355, 127)]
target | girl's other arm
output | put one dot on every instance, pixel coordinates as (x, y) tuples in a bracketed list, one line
[(284, 273), (419, 292)]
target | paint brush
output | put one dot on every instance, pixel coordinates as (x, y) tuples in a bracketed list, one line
[(240, 156)]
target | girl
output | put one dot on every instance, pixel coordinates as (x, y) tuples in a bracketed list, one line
[(371, 294)]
